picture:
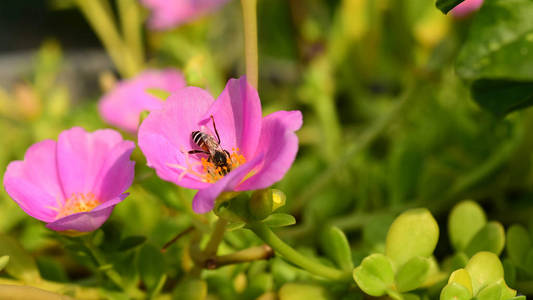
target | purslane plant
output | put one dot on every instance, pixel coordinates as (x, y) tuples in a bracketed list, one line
[(257, 150), (72, 184)]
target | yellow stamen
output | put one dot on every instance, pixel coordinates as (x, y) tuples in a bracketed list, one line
[(77, 202), (209, 172)]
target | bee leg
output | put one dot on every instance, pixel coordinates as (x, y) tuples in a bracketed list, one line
[(198, 151), (227, 153), (215, 127)]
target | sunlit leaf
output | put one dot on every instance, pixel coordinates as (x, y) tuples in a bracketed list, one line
[(413, 233), (375, 275), (412, 274), (464, 221)]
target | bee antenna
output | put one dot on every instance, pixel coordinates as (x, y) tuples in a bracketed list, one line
[(215, 127)]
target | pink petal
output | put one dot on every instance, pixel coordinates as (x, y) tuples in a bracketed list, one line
[(167, 14), (466, 8), (237, 114), (87, 221), (33, 183), (204, 200), (165, 135), (116, 173), (82, 158), (279, 144), (123, 105)]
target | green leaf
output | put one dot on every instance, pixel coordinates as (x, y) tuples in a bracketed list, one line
[(375, 275), (491, 292), (413, 233), (279, 220), (300, 291), (501, 97), (455, 291), (158, 93), (507, 292), (489, 238), (484, 268), (21, 265), (151, 264), (193, 289), (465, 220), (518, 244), (4, 260), (131, 242), (446, 5), (498, 56), (336, 247), (462, 277), (412, 274)]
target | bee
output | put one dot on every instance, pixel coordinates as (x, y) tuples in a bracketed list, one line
[(211, 146)]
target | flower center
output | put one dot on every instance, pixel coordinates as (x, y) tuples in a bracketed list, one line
[(207, 170), (213, 173), (78, 202)]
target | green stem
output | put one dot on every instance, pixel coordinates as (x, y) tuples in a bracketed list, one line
[(131, 25), (7, 289), (246, 255), (216, 238), (269, 237), (100, 262), (249, 14), (101, 20)]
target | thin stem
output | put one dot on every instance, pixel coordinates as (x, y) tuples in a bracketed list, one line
[(131, 25), (269, 237), (28, 292), (216, 238), (177, 237), (246, 255), (76, 291), (249, 14), (100, 262), (101, 20)]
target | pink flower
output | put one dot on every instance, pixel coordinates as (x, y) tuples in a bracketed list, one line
[(171, 13), (123, 105), (466, 8), (74, 183), (259, 150)]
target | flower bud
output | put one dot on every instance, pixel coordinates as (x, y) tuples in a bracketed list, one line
[(264, 202)]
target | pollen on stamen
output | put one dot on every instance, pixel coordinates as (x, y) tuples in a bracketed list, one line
[(212, 173), (77, 202)]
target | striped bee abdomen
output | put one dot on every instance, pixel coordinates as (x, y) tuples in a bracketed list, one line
[(198, 138)]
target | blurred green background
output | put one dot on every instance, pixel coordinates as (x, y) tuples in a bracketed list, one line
[(388, 125)]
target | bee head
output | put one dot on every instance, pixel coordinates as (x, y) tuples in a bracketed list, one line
[(220, 158)]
